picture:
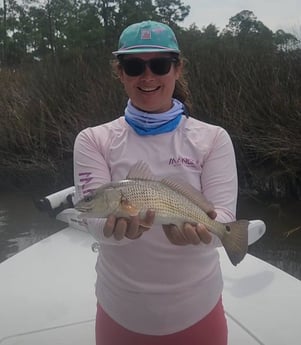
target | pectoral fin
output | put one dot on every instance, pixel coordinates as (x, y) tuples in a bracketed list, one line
[(128, 208)]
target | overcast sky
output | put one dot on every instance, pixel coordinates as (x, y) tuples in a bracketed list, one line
[(275, 14)]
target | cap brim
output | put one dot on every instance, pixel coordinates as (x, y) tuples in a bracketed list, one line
[(144, 50)]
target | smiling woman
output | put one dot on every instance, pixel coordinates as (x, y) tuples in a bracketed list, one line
[(149, 80), (177, 299)]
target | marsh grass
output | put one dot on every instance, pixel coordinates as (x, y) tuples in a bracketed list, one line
[(256, 97), (43, 107)]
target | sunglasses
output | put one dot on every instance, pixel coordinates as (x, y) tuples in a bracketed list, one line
[(134, 67)]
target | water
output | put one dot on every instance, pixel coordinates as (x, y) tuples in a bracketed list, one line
[(281, 245), (21, 225)]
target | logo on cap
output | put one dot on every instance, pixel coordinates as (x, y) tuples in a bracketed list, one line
[(146, 34)]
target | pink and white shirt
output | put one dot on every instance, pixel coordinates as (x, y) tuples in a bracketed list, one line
[(149, 285)]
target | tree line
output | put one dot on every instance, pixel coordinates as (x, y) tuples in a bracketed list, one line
[(55, 79), (31, 30)]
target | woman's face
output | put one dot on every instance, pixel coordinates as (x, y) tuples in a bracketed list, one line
[(151, 92)]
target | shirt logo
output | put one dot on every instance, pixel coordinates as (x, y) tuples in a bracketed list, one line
[(184, 161), (85, 178)]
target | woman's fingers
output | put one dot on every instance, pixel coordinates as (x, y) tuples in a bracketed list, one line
[(137, 226), (116, 227), (120, 228), (134, 227), (212, 214), (203, 233), (174, 235), (131, 228), (109, 226), (190, 234), (148, 220)]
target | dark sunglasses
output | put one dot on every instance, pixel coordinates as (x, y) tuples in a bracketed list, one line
[(135, 66)]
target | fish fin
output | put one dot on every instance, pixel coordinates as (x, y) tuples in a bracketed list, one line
[(189, 192), (235, 240), (141, 171), (128, 208)]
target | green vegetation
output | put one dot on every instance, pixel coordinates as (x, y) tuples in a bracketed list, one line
[(55, 80)]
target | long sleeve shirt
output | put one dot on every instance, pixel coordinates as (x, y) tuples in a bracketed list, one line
[(149, 285)]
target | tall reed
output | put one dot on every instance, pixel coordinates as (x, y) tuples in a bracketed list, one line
[(254, 95)]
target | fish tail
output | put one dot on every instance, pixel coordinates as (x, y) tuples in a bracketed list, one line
[(235, 240)]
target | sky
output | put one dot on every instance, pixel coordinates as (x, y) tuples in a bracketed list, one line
[(275, 14)]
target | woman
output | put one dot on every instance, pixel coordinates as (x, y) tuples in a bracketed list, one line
[(157, 286)]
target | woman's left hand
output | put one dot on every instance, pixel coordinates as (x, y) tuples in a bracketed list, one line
[(189, 234)]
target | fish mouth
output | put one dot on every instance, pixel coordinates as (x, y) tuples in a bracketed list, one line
[(83, 209)]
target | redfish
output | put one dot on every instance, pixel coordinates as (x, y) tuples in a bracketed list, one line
[(173, 201)]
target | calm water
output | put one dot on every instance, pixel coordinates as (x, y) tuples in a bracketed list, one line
[(21, 225)]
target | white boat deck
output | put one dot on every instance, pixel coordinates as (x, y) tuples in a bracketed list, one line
[(47, 296)]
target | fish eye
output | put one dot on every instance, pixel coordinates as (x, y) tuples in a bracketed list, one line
[(88, 198)]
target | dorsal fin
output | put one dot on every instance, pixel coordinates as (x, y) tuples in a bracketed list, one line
[(189, 192), (141, 171)]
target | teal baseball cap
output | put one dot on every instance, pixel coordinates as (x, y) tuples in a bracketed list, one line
[(147, 37)]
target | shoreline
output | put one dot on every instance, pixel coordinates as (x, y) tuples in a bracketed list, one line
[(48, 178)]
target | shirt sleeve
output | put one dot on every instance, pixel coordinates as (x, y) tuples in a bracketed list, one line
[(219, 178), (90, 172)]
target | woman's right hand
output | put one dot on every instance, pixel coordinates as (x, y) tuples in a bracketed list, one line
[(131, 228)]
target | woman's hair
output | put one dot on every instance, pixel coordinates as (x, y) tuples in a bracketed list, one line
[(181, 91)]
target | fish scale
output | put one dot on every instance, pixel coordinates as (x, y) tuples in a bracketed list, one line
[(166, 203)]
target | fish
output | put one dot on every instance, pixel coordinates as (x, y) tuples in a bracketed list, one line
[(173, 202)]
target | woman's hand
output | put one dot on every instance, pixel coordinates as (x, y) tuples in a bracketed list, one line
[(131, 228), (189, 234)]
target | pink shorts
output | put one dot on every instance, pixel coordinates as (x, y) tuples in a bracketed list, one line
[(211, 330)]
